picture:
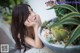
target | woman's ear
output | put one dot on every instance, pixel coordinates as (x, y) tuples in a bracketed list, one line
[(25, 23)]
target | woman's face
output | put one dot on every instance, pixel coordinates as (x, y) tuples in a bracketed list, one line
[(32, 14), (31, 18)]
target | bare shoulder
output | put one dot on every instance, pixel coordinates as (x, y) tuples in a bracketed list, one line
[(28, 39)]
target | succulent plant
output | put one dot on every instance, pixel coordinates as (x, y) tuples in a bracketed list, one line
[(71, 18), (59, 33)]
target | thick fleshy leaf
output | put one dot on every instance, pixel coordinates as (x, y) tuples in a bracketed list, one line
[(69, 19), (74, 35), (66, 6), (70, 15)]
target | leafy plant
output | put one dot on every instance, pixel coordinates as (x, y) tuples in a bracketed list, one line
[(71, 18)]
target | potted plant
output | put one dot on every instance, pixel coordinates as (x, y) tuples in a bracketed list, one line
[(62, 34)]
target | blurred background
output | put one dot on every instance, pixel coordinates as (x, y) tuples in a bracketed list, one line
[(6, 7)]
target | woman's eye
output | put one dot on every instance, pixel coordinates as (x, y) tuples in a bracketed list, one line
[(31, 9)]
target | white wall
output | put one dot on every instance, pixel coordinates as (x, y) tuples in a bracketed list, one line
[(40, 8)]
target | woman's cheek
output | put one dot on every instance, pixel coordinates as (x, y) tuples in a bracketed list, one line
[(30, 18)]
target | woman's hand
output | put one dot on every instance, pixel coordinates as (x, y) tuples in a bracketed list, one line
[(38, 22)]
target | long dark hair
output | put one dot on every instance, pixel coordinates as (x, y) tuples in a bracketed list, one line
[(19, 15)]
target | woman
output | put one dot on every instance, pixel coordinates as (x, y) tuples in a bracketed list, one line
[(24, 27)]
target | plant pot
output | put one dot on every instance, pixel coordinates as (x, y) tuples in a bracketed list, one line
[(59, 48)]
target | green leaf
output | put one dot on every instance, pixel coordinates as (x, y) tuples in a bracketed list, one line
[(66, 6), (18, 1), (70, 18), (70, 21), (74, 35), (70, 15), (12, 3)]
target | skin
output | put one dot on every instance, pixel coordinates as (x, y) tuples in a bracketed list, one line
[(35, 22)]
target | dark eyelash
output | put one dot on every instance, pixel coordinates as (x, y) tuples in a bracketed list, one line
[(32, 9)]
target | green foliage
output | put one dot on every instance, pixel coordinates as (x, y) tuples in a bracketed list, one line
[(6, 6), (61, 10), (59, 32), (66, 6), (71, 18), (74, 35)]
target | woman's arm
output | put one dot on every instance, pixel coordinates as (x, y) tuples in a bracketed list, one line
[(34, 42), (37, 39)]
